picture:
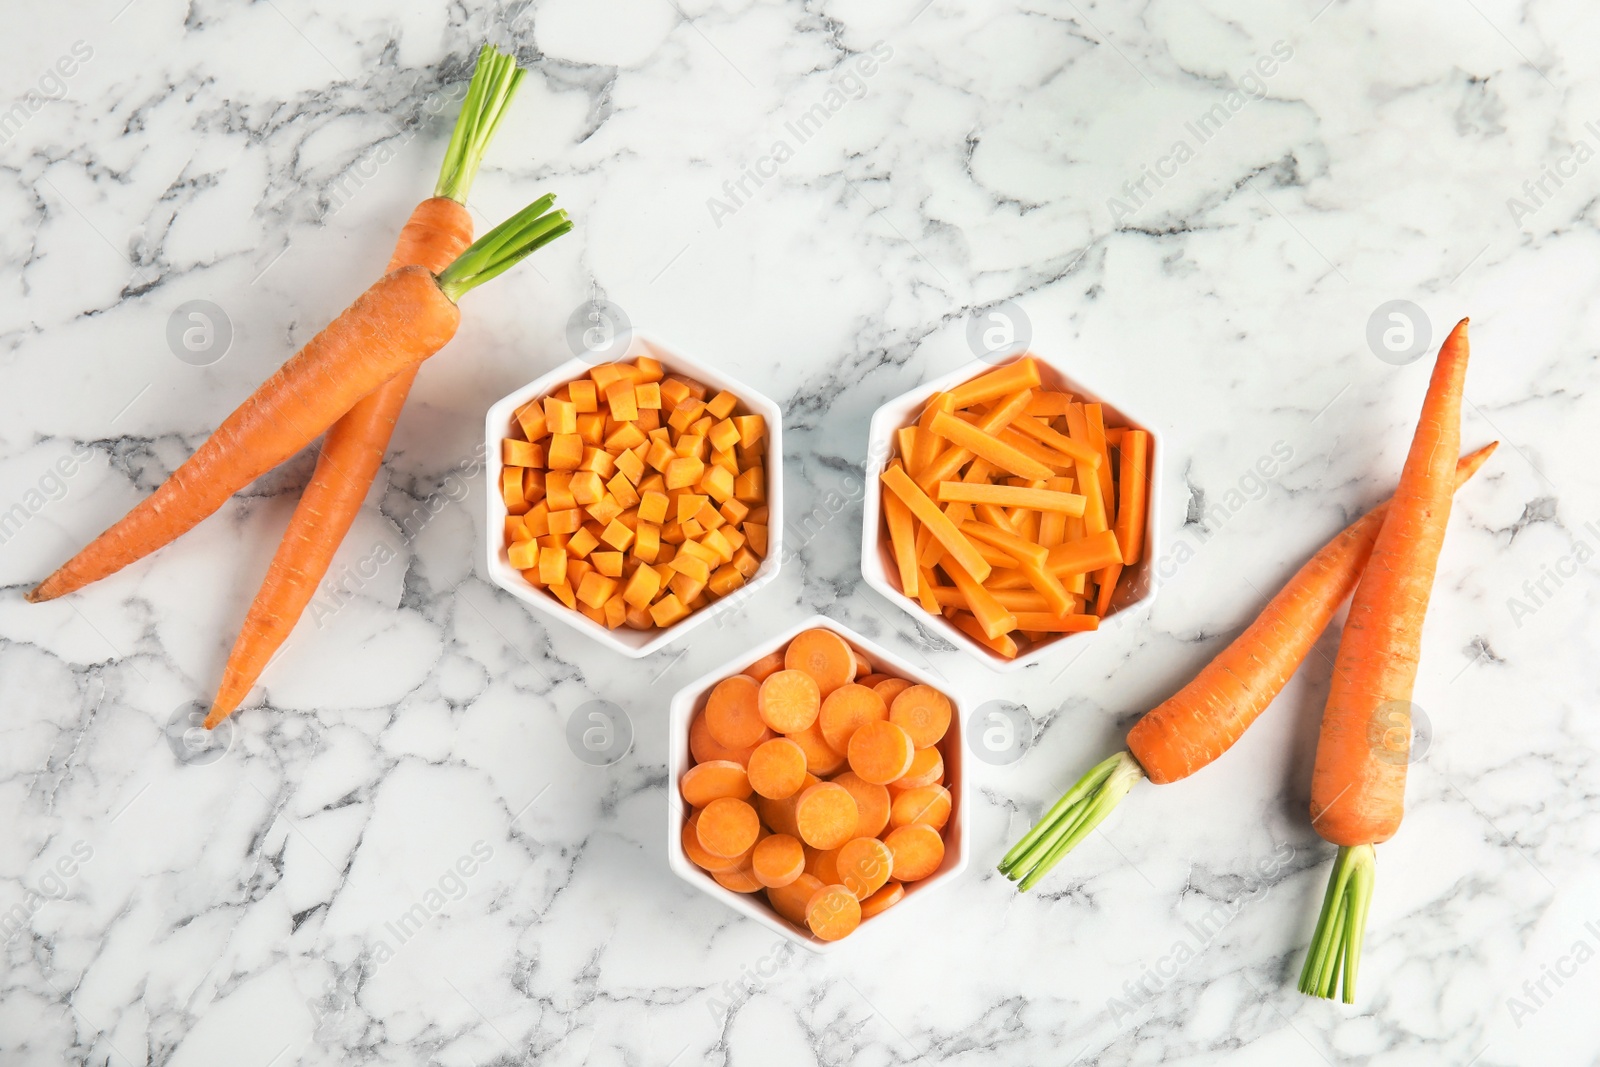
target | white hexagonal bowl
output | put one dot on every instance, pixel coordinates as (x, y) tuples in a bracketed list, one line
[(629, 642), (692, 698), (1138, 585)]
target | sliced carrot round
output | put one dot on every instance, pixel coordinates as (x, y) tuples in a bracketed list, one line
[(821, 759), (863, 664), (732, 714), (883, 900), (872, 803), (826, 815), (705, 782), (789, 701), (697, 853), (823, 655), (880, 752), (863, 865), (706, 748), (778, 859), (923, 712), (778, 768), (846, 710), (728, 827), (833, 912), (890, 688), (823, 863), (766, 665), (927, 768), (741, 879), (790, 900), (778, 814), (928, 805), (918, 850), (871, 680)]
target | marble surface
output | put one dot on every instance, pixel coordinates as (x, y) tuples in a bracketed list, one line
[(1174, 221)]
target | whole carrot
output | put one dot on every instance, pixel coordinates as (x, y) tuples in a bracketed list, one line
[(439, 229), (405, 317), (1207, 716), (1358, 785)]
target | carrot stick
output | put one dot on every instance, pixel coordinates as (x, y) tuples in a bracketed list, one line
[(1131, 503), (1203, 719), (1011, 496), (439, 230), (1023, 374), (1002, 454), (903, 539), (401, 320), (1357, 786), (960, 549)]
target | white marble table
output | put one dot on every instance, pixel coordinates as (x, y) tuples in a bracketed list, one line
[(409, 751)]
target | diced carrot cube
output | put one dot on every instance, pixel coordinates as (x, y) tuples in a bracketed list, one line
[(653, 506), (696, 550), (623, 490), (605, 510), (735, 511), (626, 435), (566, 522), (558, 491), (583, 396), (746, 562), (752, 428), (709, 517), (692, 565), (511, 490), (552, 566), (616, 612), (578, 569), (517, 529), (691, 444), (646, 542), (647, 396), (725, 580), (617, 536), (685, 412), (530, 417), (605, 375), (751, 486), (717, 543), (668, 610), (727, 460), (621, 401), (649, 370), (563, 593), (532, 485), (673, 392), (688, 589), (691, 529), (522, 554), (660, 455), (560, 416), (521, 453), (607, 563), (566, 451), (756, 536), (717, 483), (598, 460), (631, 465), (587, 488), (537, 520), (735, 536), (582, 543), (689, 505), (683, 471), (642, 587), (592, 428), (722, 405)]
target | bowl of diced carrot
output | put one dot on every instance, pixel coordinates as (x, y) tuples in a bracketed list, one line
[(1016, 509), (634, 499), (816, 784)]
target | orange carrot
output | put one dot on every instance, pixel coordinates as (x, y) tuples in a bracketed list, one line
[(927, 768), (777, 768), (918, 850), (1203, 719), (847, 709), (883, 899), (826, 815), (863, 865), (778, 860), (402, 319), (790, 900), (833, 912), (927, 804), (922, 712), (732, 712), (823, 655), (881, 752), (728, 827), (705, 782), (872, 803), (789, 701), (1357, 785)]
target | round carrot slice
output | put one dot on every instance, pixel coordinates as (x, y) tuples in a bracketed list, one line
[(846, 710), (789, 701), (833, 912), (927, 768), (891, 688), (821, 759), (741, 879), (823, 655), (732, 714), (918, 850), (883, 900), (923, 712), (826, 815), (823, 864), (728, 827), (706, 748), (871, 680), (697, 853), (863, 664), (766, 665), (778, 860), (872, 803), (880, 752), (778, 768), (928, 805), (705, 782), (778, 814), (863, 865), (790, 900)]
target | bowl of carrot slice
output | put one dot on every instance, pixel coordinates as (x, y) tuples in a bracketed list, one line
[(816, 784), (1017, 508), (634, 499)]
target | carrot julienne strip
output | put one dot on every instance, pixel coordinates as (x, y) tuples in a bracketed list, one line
[(1002, 454), (1012, 496), (926, 511)]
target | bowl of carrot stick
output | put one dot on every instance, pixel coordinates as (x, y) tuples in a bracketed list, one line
[(633, 500), (1017, 509), (816, 784)]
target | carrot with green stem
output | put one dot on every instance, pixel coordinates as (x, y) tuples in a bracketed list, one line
[(1203, 719), (1358, 783), (439, 229), (401, 320)]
